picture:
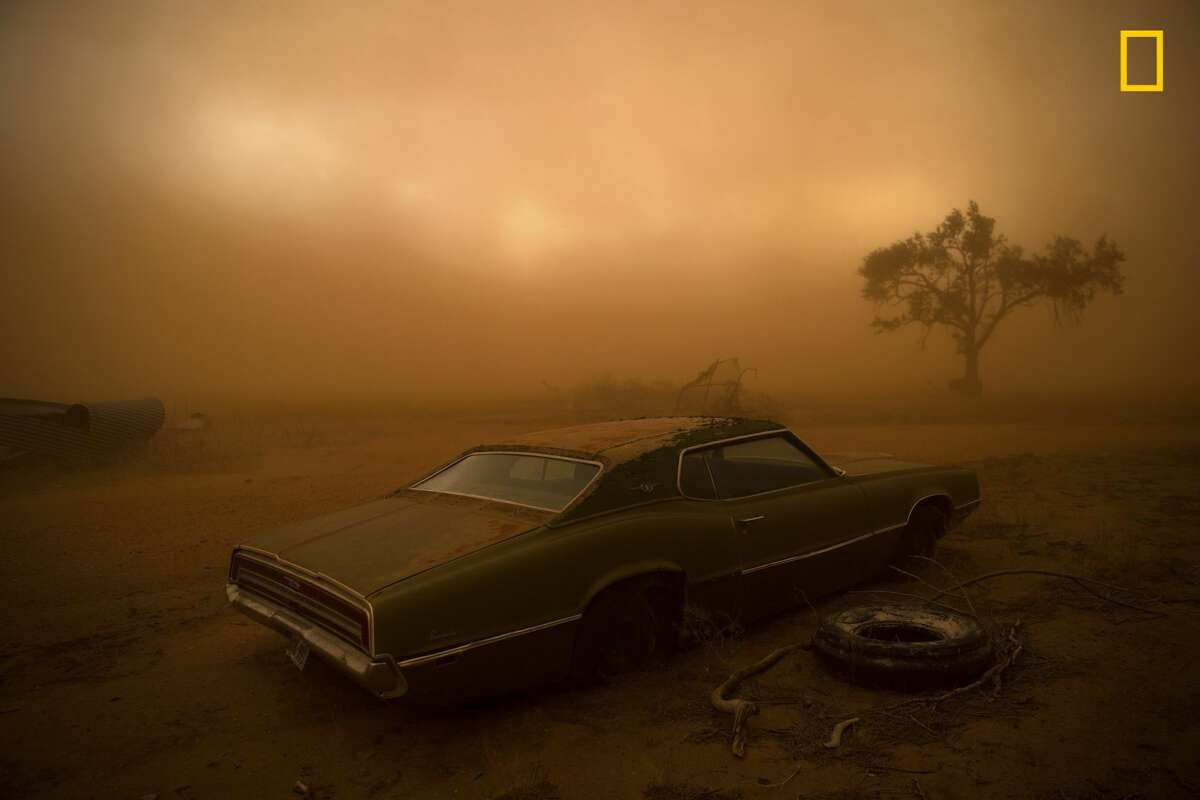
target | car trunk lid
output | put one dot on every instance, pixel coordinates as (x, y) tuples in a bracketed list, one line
[(368, 547)]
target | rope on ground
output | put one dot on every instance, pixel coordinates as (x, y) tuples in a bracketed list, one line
[(741, 709)]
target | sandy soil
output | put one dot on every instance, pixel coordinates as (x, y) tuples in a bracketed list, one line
[(123, 673)]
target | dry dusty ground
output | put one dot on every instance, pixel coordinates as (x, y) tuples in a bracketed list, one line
[(123, 673)]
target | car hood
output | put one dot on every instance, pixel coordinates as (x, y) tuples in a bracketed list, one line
[(368, 547), (870, 463)]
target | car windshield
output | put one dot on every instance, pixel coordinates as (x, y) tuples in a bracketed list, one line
[(527, 479)]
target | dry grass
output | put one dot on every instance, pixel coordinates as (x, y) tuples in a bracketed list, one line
[(700, 628)]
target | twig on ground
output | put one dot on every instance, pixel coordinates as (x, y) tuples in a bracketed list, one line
[(783, 701), (993, 674), (914, 576), (1181, 599), (816, 618), (906, 718), (783, 782), (886, 768), (835, 738), (1103, 596), (949, 575), (921, 724), (910, 596), (1080, 580), (741, 709), (811, 607)]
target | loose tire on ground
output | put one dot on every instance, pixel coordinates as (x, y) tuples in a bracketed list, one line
[(902, 647)]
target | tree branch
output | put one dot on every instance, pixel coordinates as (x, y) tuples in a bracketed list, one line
[(1006, 306)]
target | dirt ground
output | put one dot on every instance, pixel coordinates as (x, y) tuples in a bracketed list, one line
[(124, 674)]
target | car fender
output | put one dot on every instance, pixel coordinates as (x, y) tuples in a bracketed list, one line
[(940, 495), (635, 569)]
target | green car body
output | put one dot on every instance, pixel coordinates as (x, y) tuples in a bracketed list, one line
[(447, 596)]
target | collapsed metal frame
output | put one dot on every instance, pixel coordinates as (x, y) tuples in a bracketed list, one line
[(733, 386)]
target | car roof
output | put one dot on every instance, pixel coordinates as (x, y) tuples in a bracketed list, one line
[(618, 441), (640, 456)]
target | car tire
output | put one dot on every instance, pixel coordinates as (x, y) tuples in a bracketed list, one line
[(926, 525), (904, 648), (624, 628)]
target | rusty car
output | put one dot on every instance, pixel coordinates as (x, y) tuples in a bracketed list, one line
[(577, 552)]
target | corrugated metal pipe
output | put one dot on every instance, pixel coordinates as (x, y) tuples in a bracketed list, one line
[(78, 431)]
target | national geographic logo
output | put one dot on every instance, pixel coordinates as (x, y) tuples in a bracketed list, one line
[(1142, 60)]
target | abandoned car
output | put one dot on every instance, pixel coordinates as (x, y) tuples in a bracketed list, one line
[(575, 552)]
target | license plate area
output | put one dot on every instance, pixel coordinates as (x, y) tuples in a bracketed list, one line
[(298, 652)]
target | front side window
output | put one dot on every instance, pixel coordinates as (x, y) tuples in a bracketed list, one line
[(529, 479), (745, 468)]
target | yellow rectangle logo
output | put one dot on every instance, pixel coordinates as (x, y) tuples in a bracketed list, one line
[(1157, 86)]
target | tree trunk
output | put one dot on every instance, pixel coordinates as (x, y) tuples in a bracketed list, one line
[(969, 383)]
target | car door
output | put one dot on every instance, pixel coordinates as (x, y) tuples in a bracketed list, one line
[(790, 515)]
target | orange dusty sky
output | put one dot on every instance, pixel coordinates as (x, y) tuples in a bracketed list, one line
[(422, 199)]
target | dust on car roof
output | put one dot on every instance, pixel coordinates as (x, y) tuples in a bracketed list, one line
[(618, 441)]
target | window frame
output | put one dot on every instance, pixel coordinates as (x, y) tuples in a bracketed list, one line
[(416, 485), (712, 481), (778, 432)]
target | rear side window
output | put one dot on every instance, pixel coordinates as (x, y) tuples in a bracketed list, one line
[(759, 465), (694, 480)]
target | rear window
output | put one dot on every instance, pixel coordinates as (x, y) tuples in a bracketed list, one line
[(527, 479)]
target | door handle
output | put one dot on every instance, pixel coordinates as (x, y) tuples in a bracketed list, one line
[(745, 522)]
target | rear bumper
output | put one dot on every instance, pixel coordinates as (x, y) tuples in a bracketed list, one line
[(378, 676)]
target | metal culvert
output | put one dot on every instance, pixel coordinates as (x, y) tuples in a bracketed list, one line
[(78, 431)]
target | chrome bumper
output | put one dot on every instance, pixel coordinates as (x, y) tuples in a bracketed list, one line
[(379, 677)]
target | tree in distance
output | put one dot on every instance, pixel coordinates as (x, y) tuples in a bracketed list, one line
[(965, 277)]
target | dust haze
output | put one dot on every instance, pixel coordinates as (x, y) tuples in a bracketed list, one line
[(362, 238), (431, 202)]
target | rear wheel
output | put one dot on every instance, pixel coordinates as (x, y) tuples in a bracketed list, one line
[(624, 628)]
